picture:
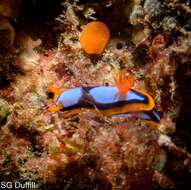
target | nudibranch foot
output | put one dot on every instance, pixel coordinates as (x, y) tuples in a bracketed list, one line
[(152, 117), (55, 108), (124, 83)]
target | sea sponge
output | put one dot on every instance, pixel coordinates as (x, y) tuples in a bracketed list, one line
[(9, 8), (28, 56), (94, 37)]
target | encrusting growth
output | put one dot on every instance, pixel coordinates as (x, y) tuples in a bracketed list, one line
[(94, 37)]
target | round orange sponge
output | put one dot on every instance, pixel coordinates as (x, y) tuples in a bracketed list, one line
[(94, 37)]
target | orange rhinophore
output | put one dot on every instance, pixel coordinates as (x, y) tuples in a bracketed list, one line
[(94, 37), (56, 92), (124, 83)]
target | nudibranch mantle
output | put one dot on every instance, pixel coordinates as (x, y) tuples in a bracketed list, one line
[(98, 94), (103, 94), (69, 97)]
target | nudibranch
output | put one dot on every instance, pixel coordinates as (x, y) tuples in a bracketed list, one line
[(119, 100), (94, 37)]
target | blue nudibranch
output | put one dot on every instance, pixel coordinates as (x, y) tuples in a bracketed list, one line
[(119, 100)]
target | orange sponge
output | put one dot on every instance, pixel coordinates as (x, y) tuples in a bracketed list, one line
[(94, 37)]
